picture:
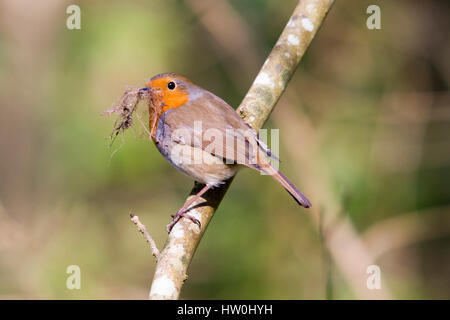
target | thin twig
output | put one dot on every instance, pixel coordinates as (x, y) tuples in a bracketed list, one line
[(142, 229), (272, 80)]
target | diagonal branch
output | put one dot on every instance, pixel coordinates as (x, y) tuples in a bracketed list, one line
[(256, 107)]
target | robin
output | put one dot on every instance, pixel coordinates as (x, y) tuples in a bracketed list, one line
[(205, 138)]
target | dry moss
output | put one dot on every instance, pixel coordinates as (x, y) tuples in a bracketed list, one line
[(127, 109)]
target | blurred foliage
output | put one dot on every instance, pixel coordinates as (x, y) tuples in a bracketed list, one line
[(378, 99)]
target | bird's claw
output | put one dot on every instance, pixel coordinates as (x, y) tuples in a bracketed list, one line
[(180, 215)]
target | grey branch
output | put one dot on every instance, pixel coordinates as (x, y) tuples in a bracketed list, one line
[(272, 80)]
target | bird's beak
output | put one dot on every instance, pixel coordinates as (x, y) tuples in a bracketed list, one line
[(147, 86)]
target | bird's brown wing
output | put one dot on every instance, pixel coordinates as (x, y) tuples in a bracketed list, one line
[(211, 124)]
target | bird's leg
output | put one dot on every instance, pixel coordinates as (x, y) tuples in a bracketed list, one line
[(182, 212)]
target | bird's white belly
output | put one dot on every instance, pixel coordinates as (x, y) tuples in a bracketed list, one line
[(201, 165)]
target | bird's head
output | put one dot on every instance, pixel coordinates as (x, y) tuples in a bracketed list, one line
[(173, 88)]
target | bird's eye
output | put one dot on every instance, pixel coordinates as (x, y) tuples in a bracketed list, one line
[(171, 85)]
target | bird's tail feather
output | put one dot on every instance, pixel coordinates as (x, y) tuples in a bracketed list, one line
[(288, 185)]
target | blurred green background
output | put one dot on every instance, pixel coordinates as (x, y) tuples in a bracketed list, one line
[(364, 128)]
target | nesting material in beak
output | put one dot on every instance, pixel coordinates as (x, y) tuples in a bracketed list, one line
[(127, 106)]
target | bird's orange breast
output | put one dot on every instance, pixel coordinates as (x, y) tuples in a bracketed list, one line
[(166, 99)]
